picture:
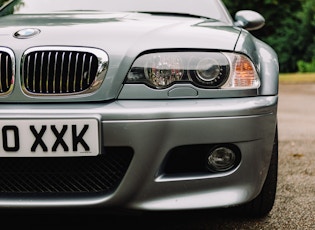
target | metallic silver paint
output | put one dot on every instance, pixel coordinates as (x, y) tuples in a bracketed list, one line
[(150, 121), (249, 20), (247, 122), (120, 43)]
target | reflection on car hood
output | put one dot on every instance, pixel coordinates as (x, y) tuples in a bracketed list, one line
[(119, 30)]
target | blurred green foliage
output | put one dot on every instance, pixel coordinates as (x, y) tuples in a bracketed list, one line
[(289, 29)]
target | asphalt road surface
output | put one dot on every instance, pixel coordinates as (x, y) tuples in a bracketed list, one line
[(295, 201)]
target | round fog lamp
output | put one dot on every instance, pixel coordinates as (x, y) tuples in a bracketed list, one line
[(221, 159)]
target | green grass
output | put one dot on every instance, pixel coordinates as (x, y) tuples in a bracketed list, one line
[(293, 78)]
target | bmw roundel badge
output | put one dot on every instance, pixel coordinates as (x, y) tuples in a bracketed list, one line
[(26, 33)]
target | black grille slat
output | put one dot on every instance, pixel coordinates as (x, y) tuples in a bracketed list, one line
[(59, 72), (64, 175), (6, 72)]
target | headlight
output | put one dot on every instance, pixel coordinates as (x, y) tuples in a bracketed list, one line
[(202, 69)]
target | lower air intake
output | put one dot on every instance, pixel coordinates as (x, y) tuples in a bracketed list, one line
[(64, 175)]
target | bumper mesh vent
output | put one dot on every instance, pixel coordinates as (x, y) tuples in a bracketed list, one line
[(61, 71), (64, 175), (6, 71)]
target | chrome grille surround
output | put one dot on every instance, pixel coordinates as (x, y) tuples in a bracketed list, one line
[(7, 71), (62, 71)]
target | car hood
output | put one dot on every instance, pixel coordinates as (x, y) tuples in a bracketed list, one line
[(123, 36)]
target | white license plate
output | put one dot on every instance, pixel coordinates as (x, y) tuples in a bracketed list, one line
[(49, 137)]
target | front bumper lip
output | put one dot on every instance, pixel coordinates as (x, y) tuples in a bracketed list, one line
[(152, 129)]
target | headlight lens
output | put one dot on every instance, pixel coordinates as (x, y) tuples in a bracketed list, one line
[(202, 69), (162, 70), (208, 69)]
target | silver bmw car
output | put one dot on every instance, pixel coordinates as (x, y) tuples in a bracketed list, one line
[(135, 104)]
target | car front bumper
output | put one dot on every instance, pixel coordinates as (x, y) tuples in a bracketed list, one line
[(152, 129)]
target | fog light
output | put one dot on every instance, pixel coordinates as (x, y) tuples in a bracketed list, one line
[(221, 159)]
